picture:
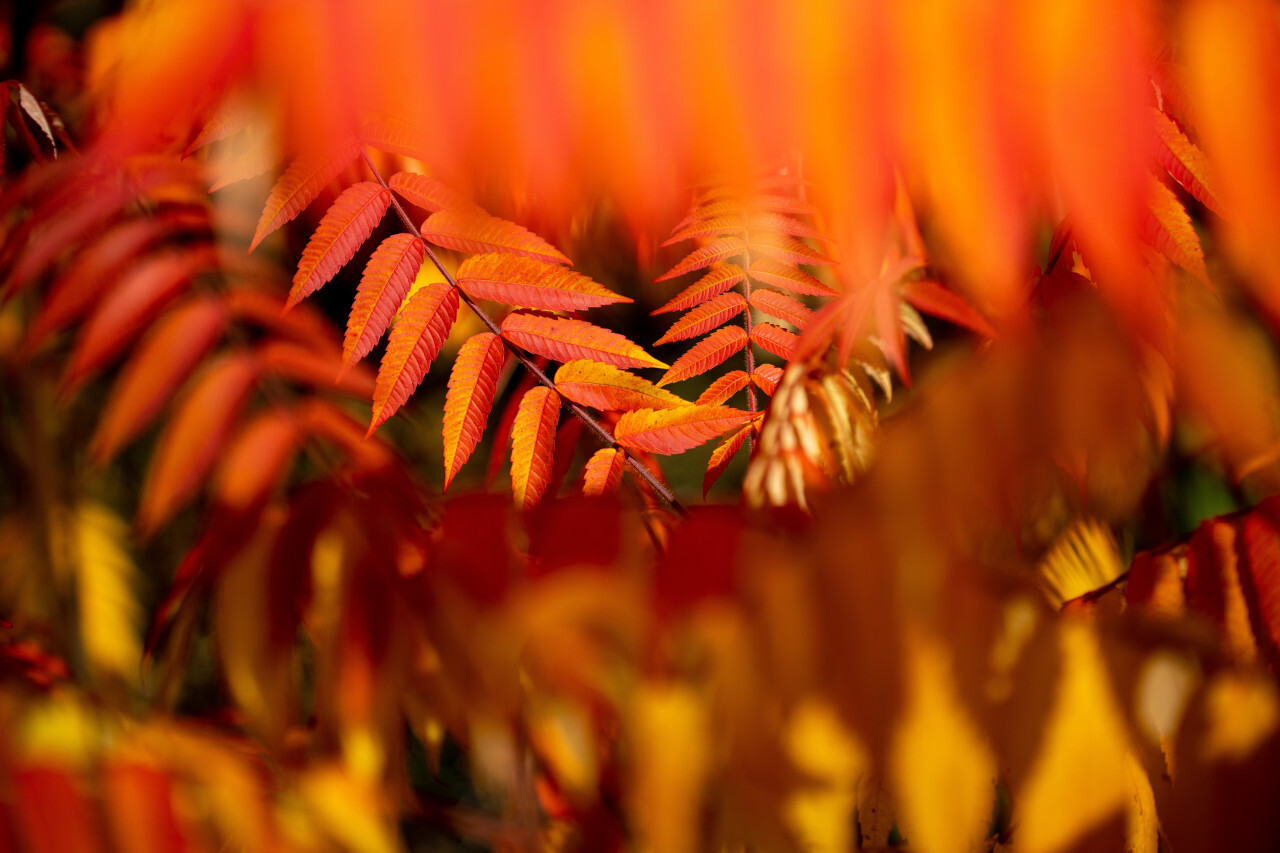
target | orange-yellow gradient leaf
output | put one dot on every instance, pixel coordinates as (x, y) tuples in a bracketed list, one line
[(717, 250), (340, 234), (193, 439), (533, 439), (170, 352), (935, 300), (723, 388), (723, 455), (476, 232), (766, 377), (386, 280), (667, 431), (416, 339), (603, 473), (565, 340), (529, 283), (705, 317), (470, 397), (255, 459), (706, 354), (712, 284), (751, 206), (428, 193), (786, 277), (771, 222), (110, 617), (774, 339), (1184, 161), (610, 389), (299, 186), (783, 307), (672, 736), (787, 250), (1169, 229)]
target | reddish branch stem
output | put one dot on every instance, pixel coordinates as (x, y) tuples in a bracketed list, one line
[(661, 489), (746, 324)]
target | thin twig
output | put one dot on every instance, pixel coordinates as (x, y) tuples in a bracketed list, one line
[(661, 489)]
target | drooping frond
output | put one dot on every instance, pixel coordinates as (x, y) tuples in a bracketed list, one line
[(782, 307), (712, 284), (530, 283), (383, 286), (340, 234), (299, 185), (667, 431), (705, 317), (472, 385), (415, 341), (717, 250), (255, 459), (533, 437), (476, 232), (603, 473), (429, 194), (787, 277), (566, 340), (723, 388), (609, 389), (706, 354)]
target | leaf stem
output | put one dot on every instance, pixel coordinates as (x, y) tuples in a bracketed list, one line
[(746, 324), (661, 489)]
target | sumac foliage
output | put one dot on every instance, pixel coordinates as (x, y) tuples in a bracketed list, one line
[(970, 340)]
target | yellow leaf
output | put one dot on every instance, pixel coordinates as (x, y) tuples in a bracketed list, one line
[(109, 613), (1243, 711), (820, 814), (670, 742)]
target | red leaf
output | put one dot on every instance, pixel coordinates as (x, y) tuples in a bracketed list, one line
[(603, 473), (787, 250), (787, 277), (706, 354), (472, 385), (932, 298), (299, 186), (723, 455), (766, 377), (609, 389), (724, 388), (705, 317), (669, 431), (756, 222), (712, 284), (774, 339), (341, 232), (530, 283), (416, 340), (476, 232), (430, 194), (163, 360), (255, 459), (717, 250), (565, 340), (783, 307), (533, 445), (752, 204), (1184, 161), (386, 281), (308, 366), (193, 439), (1168, 228)]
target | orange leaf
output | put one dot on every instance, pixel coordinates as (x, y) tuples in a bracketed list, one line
[(1184, 161), (193, 439), (934, 299), (472, 385), (786, 249), (717, 250), (476, 232), (318, 416), (723, 455), (705, 317), (774, 339), (429, 194), (298, 187), (724, 388), (609, 389), (255, 459), (138, 297), (771, 222), (416, 340), (386, 280), (603, 473), (754, 204), (787, 277), (766, 377), (712, 284), (565, 340), (668, 431), (340, 234), (1168, 228), (530, 283), (162, 361), (313, 366), (533, 439), (783, 307), (706, 354)]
